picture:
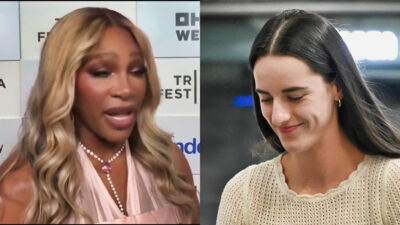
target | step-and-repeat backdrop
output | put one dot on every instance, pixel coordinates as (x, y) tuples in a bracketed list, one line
[(174, 32)]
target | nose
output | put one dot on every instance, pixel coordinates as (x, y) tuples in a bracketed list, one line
[(122, 87), (280, 113)]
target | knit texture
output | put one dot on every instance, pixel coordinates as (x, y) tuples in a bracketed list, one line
[(260, 195)]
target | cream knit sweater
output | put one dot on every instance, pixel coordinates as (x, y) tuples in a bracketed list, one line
[(259, 195)]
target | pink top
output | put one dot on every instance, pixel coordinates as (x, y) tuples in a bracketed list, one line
[(144, 203)]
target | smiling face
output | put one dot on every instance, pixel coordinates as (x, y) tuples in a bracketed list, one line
[(297, 103), (110, 88)]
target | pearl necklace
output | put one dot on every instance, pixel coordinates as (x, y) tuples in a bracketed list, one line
[(106, 168)]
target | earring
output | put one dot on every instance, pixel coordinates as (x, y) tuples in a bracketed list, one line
[(339, 103)]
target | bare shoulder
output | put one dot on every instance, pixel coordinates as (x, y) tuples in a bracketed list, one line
[(16, 192), (181, 164)]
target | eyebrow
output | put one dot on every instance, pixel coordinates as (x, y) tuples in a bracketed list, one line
[(108, 55), (286, 90)]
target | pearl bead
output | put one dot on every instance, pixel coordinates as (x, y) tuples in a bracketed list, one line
[(108, 175)]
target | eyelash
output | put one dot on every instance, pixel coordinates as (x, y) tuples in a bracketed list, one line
[(101, 73), (266, 100), (106, 73), (292, 99), (140, 72)]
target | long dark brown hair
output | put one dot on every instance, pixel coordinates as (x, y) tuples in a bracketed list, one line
[(314, 40)]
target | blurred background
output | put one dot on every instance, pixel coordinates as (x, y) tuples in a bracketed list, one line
[(229, 132)]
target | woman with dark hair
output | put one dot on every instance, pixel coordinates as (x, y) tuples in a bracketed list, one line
[(339, 154)]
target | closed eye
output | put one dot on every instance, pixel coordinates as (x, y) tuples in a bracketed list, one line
[(294, 99), (266, 100), (101, 73), (139, 72)]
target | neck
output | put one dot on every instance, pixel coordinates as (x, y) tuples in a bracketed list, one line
[(102, 148), (323, 167), (105, 154)]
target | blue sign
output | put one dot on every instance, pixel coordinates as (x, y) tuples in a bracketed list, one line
[(191, 147)]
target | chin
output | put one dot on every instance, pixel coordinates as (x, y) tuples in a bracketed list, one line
[(292, 146), (118, 136), (296, 147)]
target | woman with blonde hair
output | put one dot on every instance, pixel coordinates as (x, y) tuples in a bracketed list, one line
[(89, 149)]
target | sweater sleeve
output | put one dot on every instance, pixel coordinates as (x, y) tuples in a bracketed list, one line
[(391, 193), (232, 204)]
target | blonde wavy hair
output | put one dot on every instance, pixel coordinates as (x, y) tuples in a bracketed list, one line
[(48, 141)]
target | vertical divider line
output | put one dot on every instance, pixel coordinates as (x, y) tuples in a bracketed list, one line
[(195, 86)]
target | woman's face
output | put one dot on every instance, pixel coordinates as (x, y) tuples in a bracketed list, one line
[(110, 88), (297, 103)]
